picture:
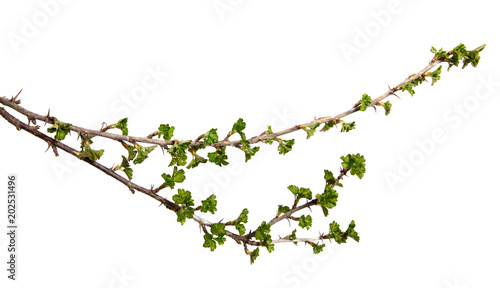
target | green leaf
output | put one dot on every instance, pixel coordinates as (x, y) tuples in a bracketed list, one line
[(166, 131), (305, 222), (209, 205), (285, 146), (178, 177), (328, 199), (183, 214), (351, 232), (263, 230), (240, 227), (304, 193), (209, 242), (220, 240), (124, 162), (329, 178), (129, 172), (239, 126), (435, 75), (356, 164), (311, 129), (122, 125), (132, 152), (89, 153), (218, 229), (387, 105), (249, 152), (408, 87), (294, 189), (254, 254), (196, 161), (336, 233), (317, 248), (346, 127), (269, 132), (178, 152), (300, 193), (439, 54), (61, 129), (142, 153), (292, 236), (472, 57), (183, 197), (327, 126), (341, 237), (365, 102), (262, 234), (218, 157), (243, 218), (282, 210), (210, 137)]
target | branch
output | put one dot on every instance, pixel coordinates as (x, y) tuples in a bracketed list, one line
[(183, 204)]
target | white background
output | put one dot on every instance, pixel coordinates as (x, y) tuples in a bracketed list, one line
[(269, 62)]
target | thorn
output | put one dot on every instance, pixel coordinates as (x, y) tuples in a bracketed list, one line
[(130, 187), (13, 99), (47, 118)]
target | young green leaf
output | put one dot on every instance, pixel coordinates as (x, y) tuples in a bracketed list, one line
[(316, 247), (387, 105), (329, 178), (122, 125), (196, 161), (89, 153), (282, 210), (178, 152), (305, 222), (61, 129), (142, 153), (269, 132), (243, 218), (239, 126), (209, 205), (249, 152), (262, 234), (435, 75), (210, 137), (166, 131), (218, 229), (209, 242), (292, 236), (132, 152), (327, 126), (183, 197), (254, 254), (351, 232), (218, 157), (346, 127), (285, 146), (365, 102), (183, 214), (328, 199), (310, 129), (177, 177), (408, 87), (356, 164)]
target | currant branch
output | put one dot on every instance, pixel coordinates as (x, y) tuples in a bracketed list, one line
[(183, 204)]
